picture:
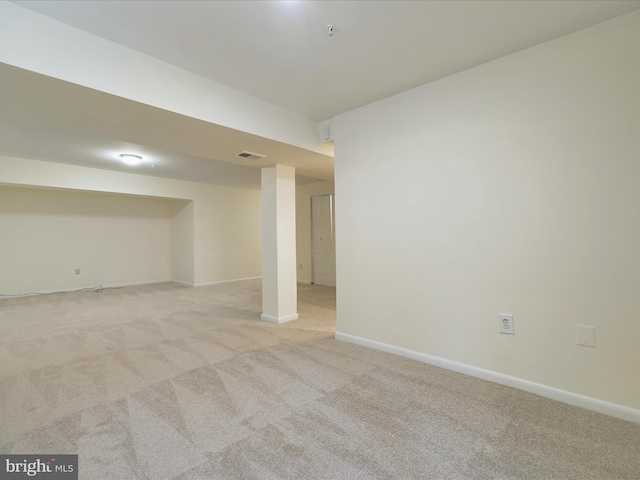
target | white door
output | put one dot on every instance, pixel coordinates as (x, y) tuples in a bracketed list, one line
[(323, 241)]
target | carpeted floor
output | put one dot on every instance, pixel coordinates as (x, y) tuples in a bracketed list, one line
[(167, 382)]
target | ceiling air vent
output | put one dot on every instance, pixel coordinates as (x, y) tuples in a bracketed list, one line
[(250, 155)]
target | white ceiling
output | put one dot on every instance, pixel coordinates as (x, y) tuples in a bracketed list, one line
[(278, 51), (42, 118)]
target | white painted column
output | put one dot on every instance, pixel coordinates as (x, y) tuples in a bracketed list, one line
[(279, 281)]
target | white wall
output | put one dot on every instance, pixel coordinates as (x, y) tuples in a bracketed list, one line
[(182, 242), (303, 225), (512, 187), (223, 223), (227, 234), (113, 239)]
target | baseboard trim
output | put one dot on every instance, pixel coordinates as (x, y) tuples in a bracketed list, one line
[(135, 284), (304, 282), (577, 400), (286, 318), (220, 282), (90, 288)]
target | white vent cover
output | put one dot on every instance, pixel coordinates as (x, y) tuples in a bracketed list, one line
[(250, 155), (326, 130)]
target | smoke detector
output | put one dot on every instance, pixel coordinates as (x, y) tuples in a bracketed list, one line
[(250, 155)]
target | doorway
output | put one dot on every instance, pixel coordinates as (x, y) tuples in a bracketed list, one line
[(323, 240)]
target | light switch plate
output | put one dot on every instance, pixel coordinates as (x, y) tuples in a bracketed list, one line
[(586, 335)]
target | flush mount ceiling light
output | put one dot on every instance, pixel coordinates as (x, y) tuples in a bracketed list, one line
[(130, 159)]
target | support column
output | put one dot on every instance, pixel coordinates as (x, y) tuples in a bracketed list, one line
[(279, 281)]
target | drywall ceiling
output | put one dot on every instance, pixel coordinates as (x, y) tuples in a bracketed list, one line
[(277, 51), (47, 119), (281, 52)]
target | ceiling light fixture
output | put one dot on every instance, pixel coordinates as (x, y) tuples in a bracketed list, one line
[(130, 159)]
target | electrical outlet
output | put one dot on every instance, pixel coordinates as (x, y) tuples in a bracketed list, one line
[(506, 323), (586, 335), (77, 271)]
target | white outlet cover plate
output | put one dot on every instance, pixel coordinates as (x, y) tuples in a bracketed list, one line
[(506, 323), (586, 335)]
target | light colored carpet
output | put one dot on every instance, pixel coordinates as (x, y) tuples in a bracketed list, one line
[(167, 382)]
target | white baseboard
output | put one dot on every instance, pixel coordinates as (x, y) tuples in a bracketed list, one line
[(135, 284), (208, 284), (286, 318), (589, 403), (120, 285), (91, 287), (304, 282)]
